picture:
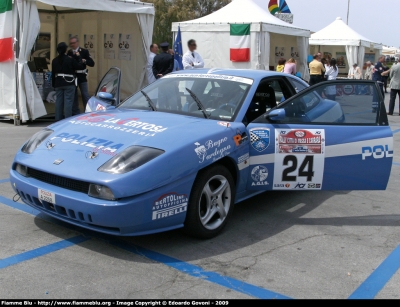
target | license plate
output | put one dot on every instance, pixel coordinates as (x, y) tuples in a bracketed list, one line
[(47, 196)]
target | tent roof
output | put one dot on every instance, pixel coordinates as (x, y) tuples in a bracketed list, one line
[(339, 33), (123, 6), (246, 11)]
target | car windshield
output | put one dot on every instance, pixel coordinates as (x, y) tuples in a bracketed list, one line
[(220, 96)]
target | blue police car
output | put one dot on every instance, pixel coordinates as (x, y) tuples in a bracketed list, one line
[(181, 152)]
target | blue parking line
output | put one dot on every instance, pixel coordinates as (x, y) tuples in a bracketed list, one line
[(181, 266), (195, 271), (4, 180), (19, 206), (379, 278), (395, 131), (396, 163), (41, 251)]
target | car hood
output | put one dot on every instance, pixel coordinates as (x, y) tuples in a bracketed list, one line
[(126, 128), (76, 139)]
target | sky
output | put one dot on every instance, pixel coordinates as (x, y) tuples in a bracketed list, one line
[(374, 19)]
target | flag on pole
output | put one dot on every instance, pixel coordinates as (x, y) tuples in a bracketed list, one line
[(240, 43), (6, 40), (178, 52)]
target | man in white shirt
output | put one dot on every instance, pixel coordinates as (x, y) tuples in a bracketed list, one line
[(191, 59), (150, 59)]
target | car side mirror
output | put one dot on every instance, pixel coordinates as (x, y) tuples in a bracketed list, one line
[(106, 96), (276, 115)]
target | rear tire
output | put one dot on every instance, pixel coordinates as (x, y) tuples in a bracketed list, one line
[(210, 203)]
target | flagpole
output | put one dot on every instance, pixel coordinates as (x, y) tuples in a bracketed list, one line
[(348, 10)]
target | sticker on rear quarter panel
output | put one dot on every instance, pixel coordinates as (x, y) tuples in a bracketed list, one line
[(299, 159)]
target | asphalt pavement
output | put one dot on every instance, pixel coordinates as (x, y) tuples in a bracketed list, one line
[(299, 245)]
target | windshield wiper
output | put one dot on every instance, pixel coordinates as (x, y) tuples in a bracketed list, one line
[(151, 103), (199, 104)]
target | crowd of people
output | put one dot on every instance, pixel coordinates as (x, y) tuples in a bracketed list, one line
[(287, 66), (69, 72)]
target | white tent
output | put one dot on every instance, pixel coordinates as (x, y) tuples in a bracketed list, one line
[(19, 95), (392, 51), (271, 38), (339, 37)]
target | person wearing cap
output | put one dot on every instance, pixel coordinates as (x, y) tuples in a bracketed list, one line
[(64, 81), (77, 52), (192, 59), (163, 62)]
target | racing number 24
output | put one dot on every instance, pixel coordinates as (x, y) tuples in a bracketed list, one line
[(306, 168)]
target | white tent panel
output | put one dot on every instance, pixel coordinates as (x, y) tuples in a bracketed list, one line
[(338, 33), (212, 34), (246, 11), (124, 6)]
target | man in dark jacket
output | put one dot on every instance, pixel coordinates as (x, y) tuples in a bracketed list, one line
[(63, 70), (78, 52), (163, 63)]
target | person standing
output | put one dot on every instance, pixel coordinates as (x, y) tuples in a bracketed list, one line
[(316, 69), (163, 62), (82, 54), (150, 59), (394, 87), (290, 67), (354, 72), (63, 80), (176, 65), (281, 65), (368, 71), (378, 78), (331, 74), (377, 74), (191, 59), (385, 75)]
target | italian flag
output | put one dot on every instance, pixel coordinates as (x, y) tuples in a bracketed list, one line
[(240, 42), (6, 40)]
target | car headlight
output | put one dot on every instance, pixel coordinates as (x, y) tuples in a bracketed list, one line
[(21, 169), (36, 140), (129, 159), (101, 191)]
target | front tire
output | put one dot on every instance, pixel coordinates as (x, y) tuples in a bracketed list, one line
[(210, 203)]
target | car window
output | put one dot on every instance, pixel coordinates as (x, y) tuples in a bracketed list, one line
[(337, 102), (221, 96), (109, 84), (298, 86)]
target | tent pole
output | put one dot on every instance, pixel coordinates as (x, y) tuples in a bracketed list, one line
[(56, 29), (17, 120)]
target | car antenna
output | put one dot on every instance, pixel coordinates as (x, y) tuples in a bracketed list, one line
[(199, 104), (151, 104)]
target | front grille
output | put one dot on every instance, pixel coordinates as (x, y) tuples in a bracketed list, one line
[(70, 184)]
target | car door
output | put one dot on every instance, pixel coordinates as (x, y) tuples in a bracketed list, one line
[(331, 136), (107, 92)]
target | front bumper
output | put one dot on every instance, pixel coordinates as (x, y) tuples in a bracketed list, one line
[(126, 217)]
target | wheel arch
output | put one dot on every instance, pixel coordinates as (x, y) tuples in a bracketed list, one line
[(231, 166)]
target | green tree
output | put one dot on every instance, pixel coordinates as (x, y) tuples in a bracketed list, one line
[(169, 11)]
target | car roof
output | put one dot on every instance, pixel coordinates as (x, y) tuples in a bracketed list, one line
[(254, 74)]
